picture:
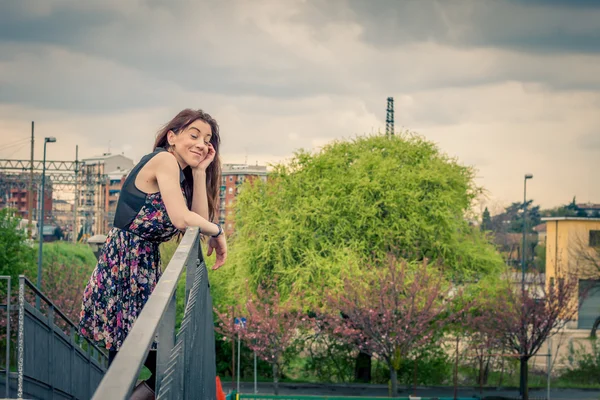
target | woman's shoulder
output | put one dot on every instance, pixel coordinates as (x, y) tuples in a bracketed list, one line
[(164, 159)]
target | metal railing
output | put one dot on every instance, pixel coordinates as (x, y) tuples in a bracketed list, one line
[(8, 280), (186, 366), (53, 361)]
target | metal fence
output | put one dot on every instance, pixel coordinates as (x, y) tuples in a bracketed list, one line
[(7, 307), (54, 362), (186, 361)]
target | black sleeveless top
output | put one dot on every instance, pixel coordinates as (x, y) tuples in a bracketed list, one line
[(131, 199)]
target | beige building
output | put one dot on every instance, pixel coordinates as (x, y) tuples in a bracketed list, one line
[(100, 191), (573, 246)]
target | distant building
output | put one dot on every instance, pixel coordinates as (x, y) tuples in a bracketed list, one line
[(541, 231), (15, 194), (591, 209), (232, 176), (62, 213), (573, 246), (94, 208)]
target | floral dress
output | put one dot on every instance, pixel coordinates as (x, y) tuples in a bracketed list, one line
[(128, 266)]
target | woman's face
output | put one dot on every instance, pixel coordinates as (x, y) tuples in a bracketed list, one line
[(191, 144)]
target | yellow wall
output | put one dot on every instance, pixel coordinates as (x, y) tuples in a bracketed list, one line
[(567, 242)]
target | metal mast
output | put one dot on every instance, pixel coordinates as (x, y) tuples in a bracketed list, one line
[(389, 118)]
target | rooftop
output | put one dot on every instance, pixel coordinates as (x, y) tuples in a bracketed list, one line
[(589, 206), (570, 219), (104, 156), (244, 169)]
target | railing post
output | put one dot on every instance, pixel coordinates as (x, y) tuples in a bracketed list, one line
[(20, 339)]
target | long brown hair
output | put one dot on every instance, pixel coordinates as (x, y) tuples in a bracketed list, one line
[(213, 173)]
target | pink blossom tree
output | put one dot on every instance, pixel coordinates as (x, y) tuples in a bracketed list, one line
[(523, 319), (398, 310), (271, 328)]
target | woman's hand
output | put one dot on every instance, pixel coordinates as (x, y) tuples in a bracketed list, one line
[(210, 156), (219, 244)]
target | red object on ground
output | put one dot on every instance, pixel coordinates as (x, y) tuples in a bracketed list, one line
[(220, 393)]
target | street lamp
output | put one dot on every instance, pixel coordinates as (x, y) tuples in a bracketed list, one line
[(41, 219), (527, 176)]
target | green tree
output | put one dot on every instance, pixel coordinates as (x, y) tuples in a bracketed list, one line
[(514, 214), (567, 210), (323, 216), (16, 255), (486, 220)]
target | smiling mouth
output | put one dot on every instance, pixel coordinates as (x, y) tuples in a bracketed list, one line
[(198, 154)]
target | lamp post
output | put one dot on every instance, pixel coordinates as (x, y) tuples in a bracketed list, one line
[(41, 220), (527, 176)]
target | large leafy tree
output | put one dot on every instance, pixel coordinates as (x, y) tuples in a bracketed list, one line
[(323, 216)]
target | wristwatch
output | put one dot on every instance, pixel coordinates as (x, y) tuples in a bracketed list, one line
[(220, 231)]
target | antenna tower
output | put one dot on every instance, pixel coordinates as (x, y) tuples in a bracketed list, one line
[(389, 118)]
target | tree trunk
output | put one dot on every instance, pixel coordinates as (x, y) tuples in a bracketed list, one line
[(362, 369), (275, 379), (456, 369), (524, 379), (480, 376), (501, 369), (415, 377), (394, 380), (486, 371)]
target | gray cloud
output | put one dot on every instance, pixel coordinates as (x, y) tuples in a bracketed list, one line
[(237, 48), (538, 26), (475, 77)]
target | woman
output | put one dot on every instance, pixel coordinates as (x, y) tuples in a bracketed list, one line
[(174, 187)]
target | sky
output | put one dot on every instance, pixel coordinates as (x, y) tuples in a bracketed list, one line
[(507, 87)]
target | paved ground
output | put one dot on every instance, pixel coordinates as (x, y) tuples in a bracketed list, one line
[(381, 390)]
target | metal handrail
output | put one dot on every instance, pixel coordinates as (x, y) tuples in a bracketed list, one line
[(32, 286), (99, 356), (158, 315)]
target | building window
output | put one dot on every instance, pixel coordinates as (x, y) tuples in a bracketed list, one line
[(595, 238), (230, 190), (231, 179)]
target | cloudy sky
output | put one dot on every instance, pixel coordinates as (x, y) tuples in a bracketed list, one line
[(508, 87)]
